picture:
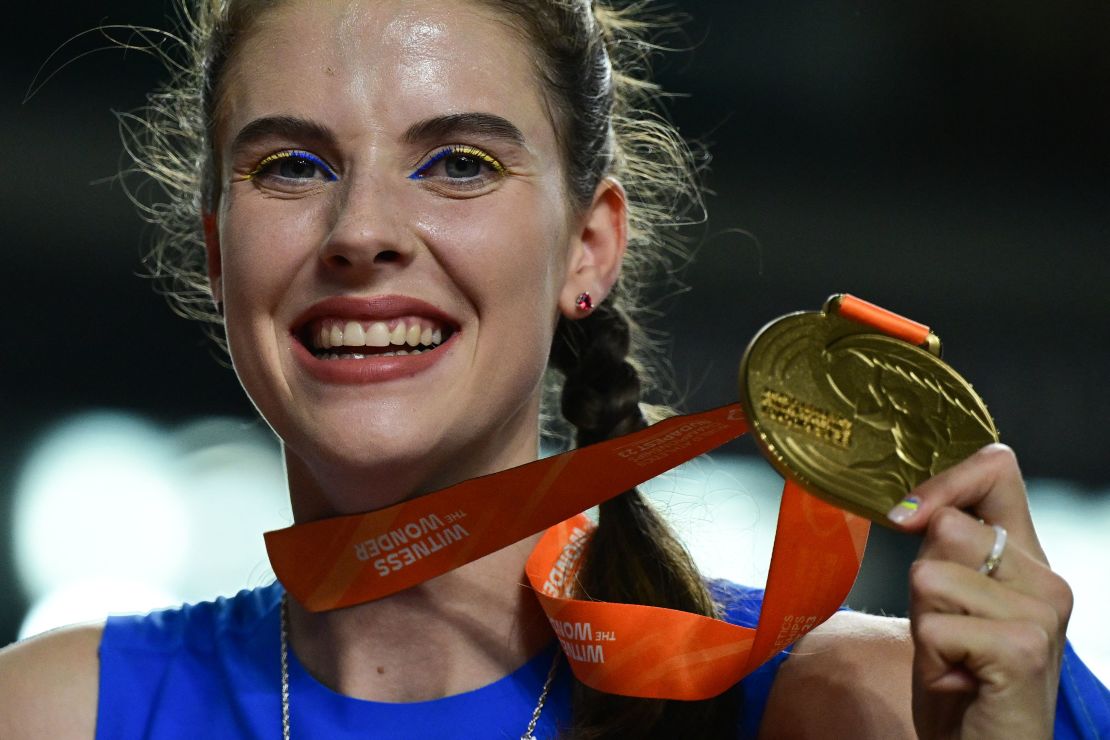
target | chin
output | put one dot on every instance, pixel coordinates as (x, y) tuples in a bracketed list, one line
[(369, 448)]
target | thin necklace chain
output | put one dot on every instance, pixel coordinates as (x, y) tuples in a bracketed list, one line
[(285, 702)]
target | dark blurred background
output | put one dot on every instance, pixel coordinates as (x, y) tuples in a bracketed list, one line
[(947, 160)]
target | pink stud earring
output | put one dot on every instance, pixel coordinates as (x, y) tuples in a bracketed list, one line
[(584, 302)]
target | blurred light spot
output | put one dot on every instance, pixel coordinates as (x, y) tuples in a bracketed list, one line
[(1072, 526), (90, 601), (96, 497), (235, 489), (116, 515)]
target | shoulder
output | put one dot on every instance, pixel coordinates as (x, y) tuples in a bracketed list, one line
[(50, 684), (55, 685), (850, 677)]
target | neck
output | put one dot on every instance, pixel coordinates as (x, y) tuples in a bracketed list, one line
[(452, 634)]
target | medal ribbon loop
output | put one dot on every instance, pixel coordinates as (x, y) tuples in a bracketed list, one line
[(626, 649)]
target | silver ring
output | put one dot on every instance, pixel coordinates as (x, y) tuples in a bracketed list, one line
[(991, 563)]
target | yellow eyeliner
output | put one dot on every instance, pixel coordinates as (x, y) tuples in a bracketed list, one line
[(455, 150), (475, 152)]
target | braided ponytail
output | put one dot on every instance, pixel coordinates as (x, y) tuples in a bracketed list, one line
[(633, 556), (601, 388)]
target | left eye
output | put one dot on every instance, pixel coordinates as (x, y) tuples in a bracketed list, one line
[(460, 166)]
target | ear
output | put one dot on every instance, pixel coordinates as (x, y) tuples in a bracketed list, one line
[(212, 249), (597, 250)]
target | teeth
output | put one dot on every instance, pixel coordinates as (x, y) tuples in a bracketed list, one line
[(408, 334), (397, 336), (377, 335), (353, 335)]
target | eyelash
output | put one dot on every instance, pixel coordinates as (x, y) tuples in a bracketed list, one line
[(457, 149), (329, 173)]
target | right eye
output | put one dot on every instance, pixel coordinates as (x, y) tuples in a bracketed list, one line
[(292, 168)]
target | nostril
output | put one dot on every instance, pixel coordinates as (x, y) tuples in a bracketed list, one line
[(339, 260), (387, 256)]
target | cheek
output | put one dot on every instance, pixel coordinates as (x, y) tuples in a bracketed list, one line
[(504, 250), (264, 241), (264, 245)]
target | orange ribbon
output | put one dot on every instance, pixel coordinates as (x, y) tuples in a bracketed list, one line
[(657, 653), (618, 648), (353, 559)]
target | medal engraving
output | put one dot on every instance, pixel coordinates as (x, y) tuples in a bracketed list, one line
[(857, 417)]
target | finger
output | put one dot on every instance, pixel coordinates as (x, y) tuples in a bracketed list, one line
[(1012, 662), (943, 587), (988, 485), (994, 651), (955, 536)]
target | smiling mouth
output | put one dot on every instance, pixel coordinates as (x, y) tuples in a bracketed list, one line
[(345, 339)]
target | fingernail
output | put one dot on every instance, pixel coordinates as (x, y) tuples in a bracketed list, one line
[(904, 510)]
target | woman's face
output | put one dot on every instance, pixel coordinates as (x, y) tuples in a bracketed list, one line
[(391, 179)]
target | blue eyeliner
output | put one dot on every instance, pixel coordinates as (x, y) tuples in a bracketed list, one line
[(329, 174), (440, 155)]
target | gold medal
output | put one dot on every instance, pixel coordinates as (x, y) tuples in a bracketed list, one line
[(855, 415)]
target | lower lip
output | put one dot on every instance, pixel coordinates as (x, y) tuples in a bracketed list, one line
[(370, 369)]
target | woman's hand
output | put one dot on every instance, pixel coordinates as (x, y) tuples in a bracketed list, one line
[(987, 648)]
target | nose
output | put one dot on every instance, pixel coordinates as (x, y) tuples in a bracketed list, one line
[(367, 233)]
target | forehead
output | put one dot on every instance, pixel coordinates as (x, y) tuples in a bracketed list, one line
[(381, 63)]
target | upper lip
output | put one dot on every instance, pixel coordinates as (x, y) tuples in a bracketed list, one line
[(376, 308)]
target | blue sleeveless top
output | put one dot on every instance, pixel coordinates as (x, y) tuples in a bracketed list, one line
[(213, 670)]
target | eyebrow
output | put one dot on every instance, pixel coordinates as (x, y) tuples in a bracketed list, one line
[(486, 125), (289, 127), (435, 128)]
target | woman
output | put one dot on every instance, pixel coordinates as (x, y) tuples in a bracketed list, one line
[(411, 211)]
